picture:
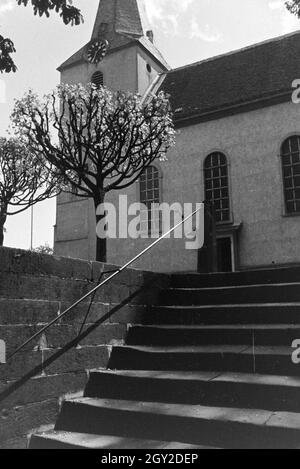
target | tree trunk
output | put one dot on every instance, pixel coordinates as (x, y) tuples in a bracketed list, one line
[(101, 244), (3, 217)]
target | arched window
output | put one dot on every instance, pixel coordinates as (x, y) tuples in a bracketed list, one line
[(97, 79), (216, 185), (290, 157), (149, 195)]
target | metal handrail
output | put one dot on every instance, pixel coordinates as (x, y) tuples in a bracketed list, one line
[(95, 289)]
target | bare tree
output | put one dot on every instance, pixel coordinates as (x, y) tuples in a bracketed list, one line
[(24, 180), (68, 12), (104, 140)]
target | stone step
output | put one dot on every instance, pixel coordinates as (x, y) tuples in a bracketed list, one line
[(264, 334), (210, 367), (205, 388), (191, 424), (274, 293), (271, 313), (75, 440), (264, 276), (237, 358)]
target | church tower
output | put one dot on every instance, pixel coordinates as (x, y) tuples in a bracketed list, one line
[(121, 55), (121, 49)]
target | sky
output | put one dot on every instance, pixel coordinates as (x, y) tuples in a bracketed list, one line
[(185, 31)]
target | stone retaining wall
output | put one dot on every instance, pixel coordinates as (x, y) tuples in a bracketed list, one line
[(34, 289)]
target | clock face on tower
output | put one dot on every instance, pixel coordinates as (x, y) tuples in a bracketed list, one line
[(97, 50)]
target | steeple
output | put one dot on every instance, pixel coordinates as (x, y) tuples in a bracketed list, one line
[(120, 21)]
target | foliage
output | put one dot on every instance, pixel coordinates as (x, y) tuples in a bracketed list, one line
[(294, 7), (44, 249), (104, 140), (24, 180), (69, 14), (6, 49)]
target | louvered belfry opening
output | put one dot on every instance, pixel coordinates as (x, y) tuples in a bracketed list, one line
[(97, 79)]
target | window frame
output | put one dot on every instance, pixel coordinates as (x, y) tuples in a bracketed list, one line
[(148, 232), (287, 213), (205, 180)]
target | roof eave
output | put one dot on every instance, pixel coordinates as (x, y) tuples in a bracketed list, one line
[(166, 67), (252, 105)]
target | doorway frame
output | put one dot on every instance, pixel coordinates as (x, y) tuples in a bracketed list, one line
[(231, 231)]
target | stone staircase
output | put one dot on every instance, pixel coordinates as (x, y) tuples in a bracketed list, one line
[(210, 367)]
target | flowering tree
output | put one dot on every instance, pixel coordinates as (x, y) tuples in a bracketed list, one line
[(44, 249), (24, 180), (68, 12), (104, 140)]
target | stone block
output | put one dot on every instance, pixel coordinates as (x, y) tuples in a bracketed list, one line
[(30, 312), (79, 359), (43, 388), (20, 365), (21, 420)]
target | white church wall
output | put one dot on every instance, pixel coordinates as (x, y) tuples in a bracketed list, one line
[(169, 255), (119, 70), (252, 143), (147, 71)]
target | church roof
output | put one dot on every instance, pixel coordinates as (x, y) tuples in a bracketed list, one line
[(129, 18), (122, 19), (224, 84)]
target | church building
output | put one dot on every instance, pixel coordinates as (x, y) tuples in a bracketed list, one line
[(237, 144)]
